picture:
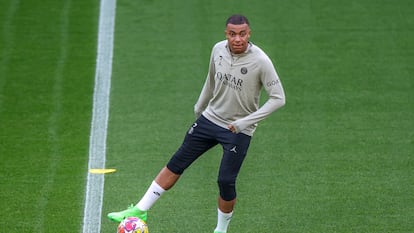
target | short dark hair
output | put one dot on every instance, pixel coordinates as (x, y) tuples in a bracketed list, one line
[(237, 20)]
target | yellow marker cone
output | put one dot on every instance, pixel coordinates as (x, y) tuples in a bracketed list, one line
[(101, 171)]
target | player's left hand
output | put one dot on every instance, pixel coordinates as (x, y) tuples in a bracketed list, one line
[(232, 128)]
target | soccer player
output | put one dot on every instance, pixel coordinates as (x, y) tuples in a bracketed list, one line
[(227, 113)]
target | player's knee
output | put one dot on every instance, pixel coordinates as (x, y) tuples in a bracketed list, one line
[(227, 188)]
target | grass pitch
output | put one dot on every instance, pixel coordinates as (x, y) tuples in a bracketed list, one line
[(336, 158), (47, 66)]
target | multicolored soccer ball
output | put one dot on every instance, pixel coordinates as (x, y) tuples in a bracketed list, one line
[(132, 225)]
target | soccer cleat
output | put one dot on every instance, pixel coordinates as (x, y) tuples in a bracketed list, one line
[(218, 232), (132, 211)]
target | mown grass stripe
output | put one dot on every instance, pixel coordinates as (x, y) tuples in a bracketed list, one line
[(53, 121), (7, 34)]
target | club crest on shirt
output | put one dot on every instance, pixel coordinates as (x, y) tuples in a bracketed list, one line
[(243, 70)]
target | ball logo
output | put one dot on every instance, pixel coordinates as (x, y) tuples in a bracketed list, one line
[(130, 225), (243, 70)]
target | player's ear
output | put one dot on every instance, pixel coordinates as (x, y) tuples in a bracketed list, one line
[(225, 34)]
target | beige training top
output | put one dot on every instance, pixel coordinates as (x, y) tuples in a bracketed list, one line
[(231, 92)]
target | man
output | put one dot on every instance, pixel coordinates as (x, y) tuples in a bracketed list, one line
[(227, 113)]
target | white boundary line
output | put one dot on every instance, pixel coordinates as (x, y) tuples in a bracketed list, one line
[(99, 124)]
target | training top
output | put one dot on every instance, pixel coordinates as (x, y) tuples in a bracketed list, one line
[(231, 92)]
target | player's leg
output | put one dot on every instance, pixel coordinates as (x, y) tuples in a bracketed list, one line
[(196, 142), (164, 181), (166, 178), (235, 148)]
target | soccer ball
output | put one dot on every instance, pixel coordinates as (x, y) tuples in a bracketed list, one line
[(132, 225)]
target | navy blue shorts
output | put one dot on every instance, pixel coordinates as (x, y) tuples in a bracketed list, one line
[(202, 136)]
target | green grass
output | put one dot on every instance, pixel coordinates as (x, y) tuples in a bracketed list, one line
[(337, 158), (47, 68)]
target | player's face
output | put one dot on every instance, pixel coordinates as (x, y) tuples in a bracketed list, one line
[(238, 37)]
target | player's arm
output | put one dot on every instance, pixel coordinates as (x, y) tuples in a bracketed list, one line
[(207, 91), (276, 99)]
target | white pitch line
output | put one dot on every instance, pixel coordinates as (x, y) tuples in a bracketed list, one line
[(99, 124)]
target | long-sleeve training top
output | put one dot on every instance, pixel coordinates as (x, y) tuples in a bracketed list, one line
[(231, 92)]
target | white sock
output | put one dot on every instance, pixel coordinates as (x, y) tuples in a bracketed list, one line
[(153, 193), (223, 220)]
